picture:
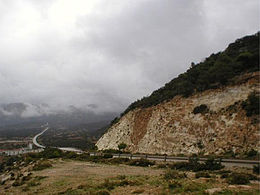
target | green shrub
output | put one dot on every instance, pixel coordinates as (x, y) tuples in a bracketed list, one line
[(107, 156), (83, 156), (224, 175), (194, 165), (173, 174), (118, 160), (251, 153), (121, 177), (122, 146), (238, 178), (162, 166), (41, 165), (110, 185), (212, 164), (203, 108), (141, 162), (111, 151), (70, 155), (2, 166), (18, 183), (172, 184), (26, 178), (256, 169), (202, 174), (102, 192), (48, 153), (33, 183), (251, 104)]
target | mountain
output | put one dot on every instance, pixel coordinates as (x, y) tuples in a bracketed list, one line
[(25, 113), (212, 108)]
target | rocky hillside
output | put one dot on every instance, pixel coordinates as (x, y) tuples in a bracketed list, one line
[(220, 118)]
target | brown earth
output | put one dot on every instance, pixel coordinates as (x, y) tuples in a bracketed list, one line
[(172, 128), (77, 177)]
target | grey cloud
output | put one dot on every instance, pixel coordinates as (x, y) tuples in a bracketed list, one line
[(100, 56)]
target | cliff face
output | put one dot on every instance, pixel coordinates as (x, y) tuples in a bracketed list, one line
[(172, 128)]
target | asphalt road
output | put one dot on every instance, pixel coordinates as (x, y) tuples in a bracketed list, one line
[(226, 162), (61, 148), (36, 136)]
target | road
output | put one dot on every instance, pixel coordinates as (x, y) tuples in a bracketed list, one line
[(226, 162), (61, 148), (36, 136)]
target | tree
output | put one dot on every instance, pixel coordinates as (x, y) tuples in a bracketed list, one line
[(122, 146)]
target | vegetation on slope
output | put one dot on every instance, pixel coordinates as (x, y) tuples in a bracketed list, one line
[(217, 70), (26, 174)]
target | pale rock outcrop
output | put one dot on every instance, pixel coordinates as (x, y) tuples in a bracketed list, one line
[(172, 128)]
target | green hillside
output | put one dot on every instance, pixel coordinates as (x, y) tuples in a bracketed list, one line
[(215, 71)]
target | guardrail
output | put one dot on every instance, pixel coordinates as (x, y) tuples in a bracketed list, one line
[(176, 158)]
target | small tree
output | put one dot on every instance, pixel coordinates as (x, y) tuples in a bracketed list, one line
[(122, 146)]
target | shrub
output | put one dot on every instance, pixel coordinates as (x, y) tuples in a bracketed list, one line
[(118, 160), (108, 184), (111, 151), (70, 155), (107, 156), (238, 178), (84, 156), (50, 153), (251, 153), (41, 165), (2, 167), (141, 162), (202, 174), (174, 184), (122, 146), (102, 192), (114, 121), (173, 174), (18, 183), (251, 104), (213, 164), (224, 175), (194, 165), (33, 183), (203, 108), (162, 166), (256, 169), (138, 191)]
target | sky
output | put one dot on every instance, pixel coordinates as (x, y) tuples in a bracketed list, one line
[(102, 55)]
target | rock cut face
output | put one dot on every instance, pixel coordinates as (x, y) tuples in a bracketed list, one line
[(172, 128)]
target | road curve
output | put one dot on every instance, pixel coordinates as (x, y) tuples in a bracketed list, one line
[(36, 136), (61, 148)]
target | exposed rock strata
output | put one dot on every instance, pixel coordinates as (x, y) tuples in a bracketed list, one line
[(172, 128)]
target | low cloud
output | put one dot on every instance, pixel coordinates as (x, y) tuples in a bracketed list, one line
[(101, 55)]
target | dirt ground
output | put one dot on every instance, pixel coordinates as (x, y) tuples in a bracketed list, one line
[(77, 177)]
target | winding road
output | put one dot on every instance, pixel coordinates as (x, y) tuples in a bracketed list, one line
[(36, 136), (61, 148), (226, 162)]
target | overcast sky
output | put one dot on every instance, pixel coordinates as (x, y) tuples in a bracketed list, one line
[(104, 54)]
